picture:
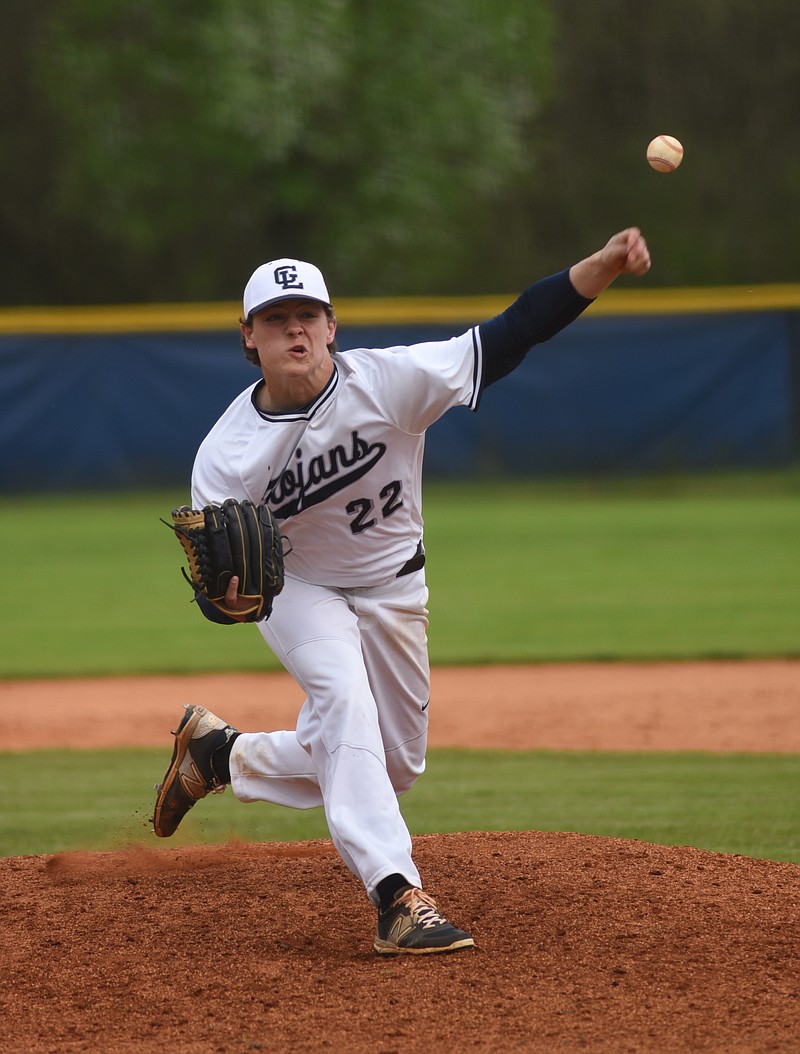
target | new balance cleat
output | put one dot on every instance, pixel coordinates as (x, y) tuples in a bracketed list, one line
[(413, 926), (190, 775)]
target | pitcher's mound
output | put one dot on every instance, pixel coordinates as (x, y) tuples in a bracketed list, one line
[(583, 944)]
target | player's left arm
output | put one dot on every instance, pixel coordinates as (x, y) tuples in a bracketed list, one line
[(550, 304)]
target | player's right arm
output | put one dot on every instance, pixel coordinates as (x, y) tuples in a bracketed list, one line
[(624, 253), (550, 304)]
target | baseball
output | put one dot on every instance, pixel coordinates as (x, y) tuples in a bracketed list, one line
[(664, 153)]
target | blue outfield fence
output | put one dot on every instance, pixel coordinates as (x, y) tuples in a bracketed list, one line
[(121, 397)]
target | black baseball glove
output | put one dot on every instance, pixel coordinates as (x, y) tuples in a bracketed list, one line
[(235, 538)]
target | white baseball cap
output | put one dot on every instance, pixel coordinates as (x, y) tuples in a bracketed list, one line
[(284, 280)]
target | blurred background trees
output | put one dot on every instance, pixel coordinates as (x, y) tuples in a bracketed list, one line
[(159, 152)]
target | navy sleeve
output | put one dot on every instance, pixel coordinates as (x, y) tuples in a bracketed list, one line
[(535, 316)]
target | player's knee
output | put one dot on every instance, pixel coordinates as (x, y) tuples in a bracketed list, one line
[(404, 769)]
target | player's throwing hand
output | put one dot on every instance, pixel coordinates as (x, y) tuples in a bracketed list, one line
[(624, 253), (628, 252)]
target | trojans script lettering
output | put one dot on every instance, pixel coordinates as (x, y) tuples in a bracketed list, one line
[(303, 484)]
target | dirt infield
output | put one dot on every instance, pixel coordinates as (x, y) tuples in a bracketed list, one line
[(583, 944)]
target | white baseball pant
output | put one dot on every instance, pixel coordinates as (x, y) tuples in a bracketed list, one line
[(361, 657)]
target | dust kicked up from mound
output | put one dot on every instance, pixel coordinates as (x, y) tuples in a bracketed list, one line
[(583, 944)]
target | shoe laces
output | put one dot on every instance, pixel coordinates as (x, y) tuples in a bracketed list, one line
[(422, 908)]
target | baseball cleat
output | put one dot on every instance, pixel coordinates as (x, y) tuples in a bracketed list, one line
[(190, 775), (413, 926)]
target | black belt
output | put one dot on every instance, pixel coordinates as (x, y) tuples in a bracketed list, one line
[(416, 563)]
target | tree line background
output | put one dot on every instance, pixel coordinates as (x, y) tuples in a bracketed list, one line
[(159, 151)]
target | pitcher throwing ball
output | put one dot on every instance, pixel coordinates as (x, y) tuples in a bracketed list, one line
[(330, 443)]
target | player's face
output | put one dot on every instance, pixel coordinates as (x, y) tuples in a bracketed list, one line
[(292, 339)]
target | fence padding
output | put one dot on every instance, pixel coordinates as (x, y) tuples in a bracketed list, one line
[(609, 394)]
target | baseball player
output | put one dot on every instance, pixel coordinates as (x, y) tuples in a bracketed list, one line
[(332, 443)]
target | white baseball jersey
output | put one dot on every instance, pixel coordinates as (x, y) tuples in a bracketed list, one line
[(343, 478), (343, 474)]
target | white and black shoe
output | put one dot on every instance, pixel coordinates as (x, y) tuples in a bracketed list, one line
[(413, 926)]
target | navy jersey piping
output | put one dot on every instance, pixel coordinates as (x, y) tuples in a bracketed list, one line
[(477, 369), (304, 413)]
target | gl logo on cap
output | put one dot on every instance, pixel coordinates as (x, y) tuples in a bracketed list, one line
[(286, 277)]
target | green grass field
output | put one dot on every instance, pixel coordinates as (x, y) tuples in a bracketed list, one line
[(682, 568), (519, 572), (62, 800)]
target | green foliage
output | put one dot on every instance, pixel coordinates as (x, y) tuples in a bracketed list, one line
[(717, 74), (159, 151), (649, 570), (67, 800), (204, 140), (185, 105)]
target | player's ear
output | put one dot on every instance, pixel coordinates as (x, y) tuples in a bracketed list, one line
[(331, 328), (247, 335)]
